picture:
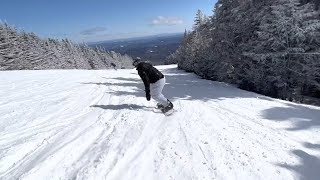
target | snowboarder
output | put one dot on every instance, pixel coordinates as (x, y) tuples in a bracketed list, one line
[(154, 82)]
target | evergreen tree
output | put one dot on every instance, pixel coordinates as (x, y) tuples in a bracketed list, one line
[(267, 46), (21, 50)]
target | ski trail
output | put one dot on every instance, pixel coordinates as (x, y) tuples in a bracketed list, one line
[(97, 125)]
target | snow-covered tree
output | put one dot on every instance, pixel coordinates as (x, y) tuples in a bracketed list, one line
[(267, 46), (21, 50), (200, 20)]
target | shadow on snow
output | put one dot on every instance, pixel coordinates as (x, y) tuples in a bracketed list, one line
[(180, 85), (187, 86), (121, 107)]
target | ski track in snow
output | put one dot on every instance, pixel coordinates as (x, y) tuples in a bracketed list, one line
[(79, 124)]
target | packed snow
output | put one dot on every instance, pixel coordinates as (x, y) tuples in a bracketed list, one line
[(81, 124)]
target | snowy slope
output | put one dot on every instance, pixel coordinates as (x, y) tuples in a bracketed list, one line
[(78, 124)]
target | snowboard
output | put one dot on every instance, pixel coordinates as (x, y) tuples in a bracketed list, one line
[(168, 113)]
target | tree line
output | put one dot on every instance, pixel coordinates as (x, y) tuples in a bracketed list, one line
[(270, 47), (22, 50)]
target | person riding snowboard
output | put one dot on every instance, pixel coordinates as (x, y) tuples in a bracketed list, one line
[(154, 82)]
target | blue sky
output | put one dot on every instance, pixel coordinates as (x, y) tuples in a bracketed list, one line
[(97, 20)]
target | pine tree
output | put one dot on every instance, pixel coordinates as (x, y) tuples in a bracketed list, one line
[(267, 46), (281, 52), (200, 19), (20, 50)]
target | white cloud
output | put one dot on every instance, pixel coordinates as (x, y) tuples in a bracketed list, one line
[(168, 21), (93, 31)]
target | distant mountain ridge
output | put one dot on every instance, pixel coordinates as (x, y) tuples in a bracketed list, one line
[(152, 48), (136, 38)]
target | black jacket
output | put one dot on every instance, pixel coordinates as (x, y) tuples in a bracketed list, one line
[(148, 74)]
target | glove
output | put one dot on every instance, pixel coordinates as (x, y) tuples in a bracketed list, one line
[(148, 96)]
